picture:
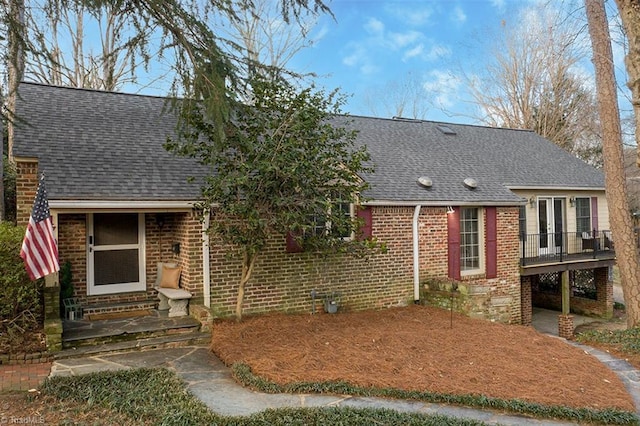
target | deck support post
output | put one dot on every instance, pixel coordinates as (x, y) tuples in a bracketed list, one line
[(566, 290), (565, 320)]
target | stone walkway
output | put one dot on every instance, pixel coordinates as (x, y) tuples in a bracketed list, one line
[(211, 382)]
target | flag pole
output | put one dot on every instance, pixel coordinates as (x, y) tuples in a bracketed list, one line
[(40, 247)]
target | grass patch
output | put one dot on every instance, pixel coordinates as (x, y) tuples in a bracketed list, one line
[(159, 397), (628, 340), (244, 375), (154, 396), (351, 416)]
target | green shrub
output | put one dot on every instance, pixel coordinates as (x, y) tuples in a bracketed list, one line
[(20, 298)]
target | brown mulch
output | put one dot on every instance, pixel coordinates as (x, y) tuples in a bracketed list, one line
[(420, 348), (31, 341)]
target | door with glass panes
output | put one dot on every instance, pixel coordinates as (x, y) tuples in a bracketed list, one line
[(115, 253), (551, 213)]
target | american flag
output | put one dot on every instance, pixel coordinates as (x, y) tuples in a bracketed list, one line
[(39, 247)]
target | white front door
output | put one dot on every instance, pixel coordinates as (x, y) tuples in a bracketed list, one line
[(551, 225), (115, 253)]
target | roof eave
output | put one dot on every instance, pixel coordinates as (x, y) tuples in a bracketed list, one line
[(441, 203), (555, 188), (121, 205)]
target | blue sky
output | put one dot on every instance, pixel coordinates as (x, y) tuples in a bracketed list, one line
[(374, 42)]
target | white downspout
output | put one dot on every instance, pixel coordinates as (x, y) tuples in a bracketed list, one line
[(206, 262), (416, 255)]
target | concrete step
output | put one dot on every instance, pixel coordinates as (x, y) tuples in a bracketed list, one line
[(85, 332), (139, 344), (110, 308)]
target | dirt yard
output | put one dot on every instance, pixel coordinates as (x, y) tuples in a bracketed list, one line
[(420, 348)]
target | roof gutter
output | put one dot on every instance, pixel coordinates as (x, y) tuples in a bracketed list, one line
[(121, 205), (415, 203), (206, 262), (556, 188), (416, 255)]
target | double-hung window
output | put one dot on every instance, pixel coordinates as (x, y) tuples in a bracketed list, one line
[(471, 241), (583, 215), (342, 230)]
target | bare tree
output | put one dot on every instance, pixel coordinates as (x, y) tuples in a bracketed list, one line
[(615, 182), (630, 16), (405, 97), (15, 61), (261, 41), (58, 32), (532, 82), (13, 56)]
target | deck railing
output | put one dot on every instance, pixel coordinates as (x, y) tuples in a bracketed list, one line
[(565, 246)]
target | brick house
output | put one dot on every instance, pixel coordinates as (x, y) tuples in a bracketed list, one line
[(505, 215)]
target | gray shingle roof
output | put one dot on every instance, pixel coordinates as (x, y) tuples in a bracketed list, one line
[(498, 159), (96, 145)]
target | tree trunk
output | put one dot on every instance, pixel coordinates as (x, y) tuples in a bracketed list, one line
[(15, 68), (615, 183), (248, 262), (630, 15)]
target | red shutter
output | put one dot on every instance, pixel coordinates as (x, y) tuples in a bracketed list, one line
[(594, 213), (491, 247), (292, 245), (366, 231), (453, 225)]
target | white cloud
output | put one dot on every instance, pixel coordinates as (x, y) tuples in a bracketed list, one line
[(438, 51), (374, 26), (499, 4), (369, 68), (357, 55), (416, 17), (417, 51), (318, 35), (403, 39), (360, 58), (444, 86), (458, 16)]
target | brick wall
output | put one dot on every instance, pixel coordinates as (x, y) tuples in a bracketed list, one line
[(26, 187), (188, 232), (496, 298), (72, 236), (284, 281), (525, 300), (159, 241)]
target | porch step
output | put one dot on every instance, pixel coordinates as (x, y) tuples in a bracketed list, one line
[(84, 332), (140, 344), (111, 308)]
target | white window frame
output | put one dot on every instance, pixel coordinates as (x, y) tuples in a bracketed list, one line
[(481, 244), (327, 226), (140, 285)]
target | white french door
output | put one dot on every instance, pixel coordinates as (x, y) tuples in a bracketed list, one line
[(115, 253), (551, 213)]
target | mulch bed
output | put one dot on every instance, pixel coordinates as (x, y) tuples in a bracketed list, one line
[(420, 348)]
